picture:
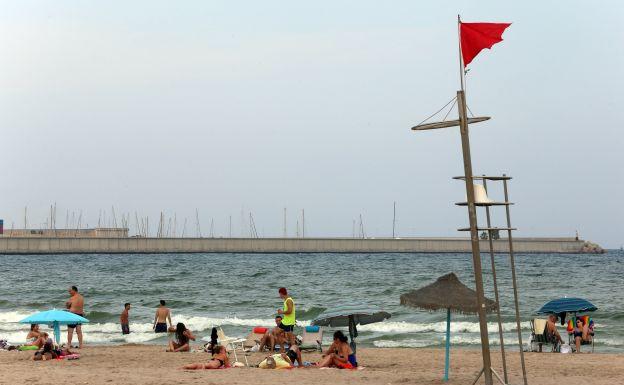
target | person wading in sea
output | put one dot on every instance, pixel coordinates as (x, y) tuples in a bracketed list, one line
[(289, 320), (124, 319), (75, 304), (163, 314)]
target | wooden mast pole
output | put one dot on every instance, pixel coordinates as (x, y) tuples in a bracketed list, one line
[(472, 216)]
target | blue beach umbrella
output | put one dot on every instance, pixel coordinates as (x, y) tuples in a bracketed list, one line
[(55, 318), (567, 305), (350, 315)]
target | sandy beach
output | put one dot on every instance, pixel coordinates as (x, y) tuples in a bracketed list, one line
[(144, 364)]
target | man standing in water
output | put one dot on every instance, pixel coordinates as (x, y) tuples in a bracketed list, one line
[(160, 320), (124, 319), (288, 312), (75, 304)]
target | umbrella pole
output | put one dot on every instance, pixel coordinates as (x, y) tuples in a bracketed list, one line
[(448, 344), (57, 332), (352, 332)]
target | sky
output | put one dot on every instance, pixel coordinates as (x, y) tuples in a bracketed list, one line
[(232, 108)]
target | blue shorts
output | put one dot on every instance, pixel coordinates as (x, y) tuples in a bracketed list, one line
[(161, 327)]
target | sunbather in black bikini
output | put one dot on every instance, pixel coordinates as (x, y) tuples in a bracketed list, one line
[(219, 360)]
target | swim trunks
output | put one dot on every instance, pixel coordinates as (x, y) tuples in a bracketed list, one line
[(286, 328), (161, 327), (125, 329), (72, 326)]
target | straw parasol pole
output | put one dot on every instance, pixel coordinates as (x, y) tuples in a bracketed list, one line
[(447, 292)]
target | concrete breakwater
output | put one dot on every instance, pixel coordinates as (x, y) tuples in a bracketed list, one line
[(29, 245)]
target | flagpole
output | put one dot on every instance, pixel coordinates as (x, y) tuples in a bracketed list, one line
[(461, 62), (472, 217)]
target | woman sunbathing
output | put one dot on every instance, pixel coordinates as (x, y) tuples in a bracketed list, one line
[(219, 360), (182, 339), (339, 354)]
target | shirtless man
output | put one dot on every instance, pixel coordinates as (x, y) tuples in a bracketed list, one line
[(551, 329), (75, 304), (163, 314), (124, 319), (273, 337)]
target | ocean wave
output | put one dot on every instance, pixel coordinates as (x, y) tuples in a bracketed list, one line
[(439, 327)]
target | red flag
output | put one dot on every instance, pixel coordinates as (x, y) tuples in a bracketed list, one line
[(477, 36)]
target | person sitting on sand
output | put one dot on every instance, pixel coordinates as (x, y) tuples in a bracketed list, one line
[(219, 360), (551, 330), (339, 355), (40, 341), (34, 333), (35, 337), (181, 343), (273, 337)]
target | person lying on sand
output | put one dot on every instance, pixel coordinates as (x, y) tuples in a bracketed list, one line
[(283, 360), (47, 353), (339, 355), (273, 337), (219, 360), (181, 342)]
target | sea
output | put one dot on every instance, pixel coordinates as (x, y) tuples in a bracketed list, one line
[(239, 292)]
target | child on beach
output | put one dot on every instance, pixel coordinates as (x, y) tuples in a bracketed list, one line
[(219, 360)]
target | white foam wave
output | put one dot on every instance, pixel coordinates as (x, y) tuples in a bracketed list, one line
[(439, 327), (13, 316), (409, 343)]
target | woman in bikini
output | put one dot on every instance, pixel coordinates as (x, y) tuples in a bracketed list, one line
[(339, 354), (183, 336), (219, 360), (35, 337)]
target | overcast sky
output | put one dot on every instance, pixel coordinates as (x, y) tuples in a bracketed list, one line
[(253, 106)]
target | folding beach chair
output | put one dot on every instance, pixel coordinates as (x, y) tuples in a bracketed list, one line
[(312, 339), (231, 344), (572, 341), (539, 336)]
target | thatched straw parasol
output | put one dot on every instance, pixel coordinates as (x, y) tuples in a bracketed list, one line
[(447, 292)]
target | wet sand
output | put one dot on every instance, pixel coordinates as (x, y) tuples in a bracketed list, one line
[(148, 364)]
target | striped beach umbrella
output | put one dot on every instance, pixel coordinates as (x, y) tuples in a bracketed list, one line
[(350, 315)]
